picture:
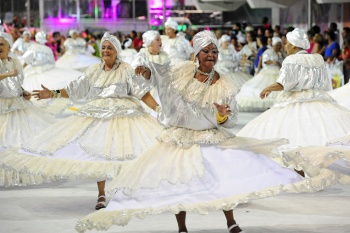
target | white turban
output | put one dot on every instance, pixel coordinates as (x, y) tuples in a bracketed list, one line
[(171, 23), (114, 41), (202, 39), (298, 38), (7, 37), (148, 37), (27, 32), (40, 37), (249, 29), (223, 39), (127, 43), (71, 32), (276, 40)]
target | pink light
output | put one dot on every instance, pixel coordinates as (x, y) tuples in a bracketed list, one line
[(65, 20)]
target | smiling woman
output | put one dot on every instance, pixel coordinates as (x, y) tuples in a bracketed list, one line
[(110, 129)]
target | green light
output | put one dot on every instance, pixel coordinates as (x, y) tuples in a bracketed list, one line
[(96, 10)]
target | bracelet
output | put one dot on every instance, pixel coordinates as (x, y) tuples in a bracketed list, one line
[(55, 94), (221, 119), (158, 109)]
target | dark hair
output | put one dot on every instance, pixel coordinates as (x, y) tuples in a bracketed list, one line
[(316, 29), (263, 40), (310, 33), (238, 25), (290, 29), (124, 42), (347, 30), (333, 26), (55, 34), (134, 34), (331, 35), (278, 27)]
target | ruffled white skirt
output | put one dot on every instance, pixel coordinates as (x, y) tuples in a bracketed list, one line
[(55, 78), (80, 147), (342, 95), (22, 122), (248, 98), (196, 179), (238, 76), (303, 123), (77, 61)]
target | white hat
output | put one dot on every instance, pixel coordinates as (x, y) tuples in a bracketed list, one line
[(148, 37), (71, 32), (114, 41), (298, 38), (224, 38), (127, 43), (276, 40), (7, 37), (171, 23), (202, 39), (27, 32), (249, 29), (40, 37)]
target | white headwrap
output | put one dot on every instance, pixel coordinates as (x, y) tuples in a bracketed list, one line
[(171, 23), (40, 37), (249, 29), (127, 43), (276, 40), (7, 37), (71, 32), (202, 39), (298, 38), (27, 32), (223, 39), (114, 41), (148, 37)]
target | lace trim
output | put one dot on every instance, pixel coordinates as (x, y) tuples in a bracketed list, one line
[(20, 169), (183, 137), (13, 104), (290, 97), (193, 91), (103, 220)]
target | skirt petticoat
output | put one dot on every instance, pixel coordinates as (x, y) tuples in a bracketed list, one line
[(18, 126), (238, 76), (312, 123), (81, 147), (248, 98), (201, 179), (77, 61), (342, 95), (56, 78)]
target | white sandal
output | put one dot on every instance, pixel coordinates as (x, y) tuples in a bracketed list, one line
[(233, 226), (103, 203)]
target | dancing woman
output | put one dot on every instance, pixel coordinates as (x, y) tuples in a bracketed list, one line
[(20, 120), (188, 169), (109, 129)]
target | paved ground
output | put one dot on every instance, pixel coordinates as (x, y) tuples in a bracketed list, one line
[(55, 208)]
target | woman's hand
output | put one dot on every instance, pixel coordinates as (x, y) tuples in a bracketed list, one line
[(223, 110), (265, 93), (144, 71), (42, 94), (27, 95)]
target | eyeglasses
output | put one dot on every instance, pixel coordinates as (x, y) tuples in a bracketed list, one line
[(214, 52)]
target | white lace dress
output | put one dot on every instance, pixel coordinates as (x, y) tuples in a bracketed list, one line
[(20, 120), (109, 129), (178, 49), (76, 56), (228, 61), (145, 58), (41, 69), (305, 114), (342, 95), (196, 165), (249, 96)]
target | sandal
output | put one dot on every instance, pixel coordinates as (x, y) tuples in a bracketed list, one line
[(100, 204), (233, 226)]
